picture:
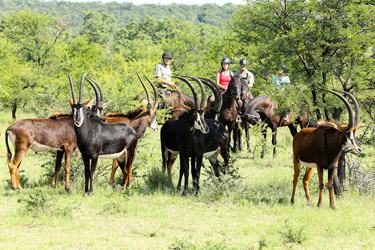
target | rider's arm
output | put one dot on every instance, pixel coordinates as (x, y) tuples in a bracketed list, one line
[(251, 80), (170, 84)]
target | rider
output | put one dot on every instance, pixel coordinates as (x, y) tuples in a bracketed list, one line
[(223, 77), (246, 76), (281, 81), (163, 75)]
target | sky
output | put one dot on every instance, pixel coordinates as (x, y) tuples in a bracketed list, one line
[(190, 2)]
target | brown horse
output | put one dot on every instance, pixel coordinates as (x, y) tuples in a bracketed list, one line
[(262, 110)]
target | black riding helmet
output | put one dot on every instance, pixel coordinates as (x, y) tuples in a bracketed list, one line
[(243, 61), (225, 60), (167, 55)]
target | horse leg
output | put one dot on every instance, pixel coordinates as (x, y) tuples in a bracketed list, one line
[(274, 135), (264, 132)]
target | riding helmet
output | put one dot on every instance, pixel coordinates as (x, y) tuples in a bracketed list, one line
[(243, 61), (225, 60), (167, 55)]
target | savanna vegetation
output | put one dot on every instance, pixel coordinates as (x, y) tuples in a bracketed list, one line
[(325, 44)]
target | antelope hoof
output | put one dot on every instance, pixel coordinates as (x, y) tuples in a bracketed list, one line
[(184, 193), (53, 186), (333, 207), (67, 190)]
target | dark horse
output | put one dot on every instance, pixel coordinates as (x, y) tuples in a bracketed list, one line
[(233, 99), (262, 110), (176, 101)]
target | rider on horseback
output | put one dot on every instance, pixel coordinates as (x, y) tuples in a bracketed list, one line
[(163, 75)]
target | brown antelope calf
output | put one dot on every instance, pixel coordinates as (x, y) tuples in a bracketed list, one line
[(321, 148)]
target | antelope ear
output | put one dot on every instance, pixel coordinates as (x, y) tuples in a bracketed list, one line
[(106, 104), (89, 104), (362, 126), (71, 102), (187, 108)]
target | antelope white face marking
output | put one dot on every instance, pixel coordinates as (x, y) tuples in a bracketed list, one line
[(198, 124), (308, 164), (351, 143), (113, 156), (81, 117), (154, 125)]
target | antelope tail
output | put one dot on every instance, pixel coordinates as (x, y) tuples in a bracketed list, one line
[(9, 153)]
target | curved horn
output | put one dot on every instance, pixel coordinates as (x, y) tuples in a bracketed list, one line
[(356, 107), (216, 91), (81, 88), (100, 91), (156, 95), (97, 102), (145, 88), (72, 89), (203, 91), (347, 104), (192, 90)]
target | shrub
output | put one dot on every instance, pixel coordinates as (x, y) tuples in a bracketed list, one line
[(292, 235), (37, 203), (156, 179)]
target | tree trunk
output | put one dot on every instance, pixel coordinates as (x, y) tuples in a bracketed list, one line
[(339, 181), (14, 110), (315, 101)]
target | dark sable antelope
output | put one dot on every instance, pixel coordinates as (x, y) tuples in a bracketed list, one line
[(42, 135), (261, 110), (139, 119), (213, 142), (96, 138), (321, 148), (176, 134)]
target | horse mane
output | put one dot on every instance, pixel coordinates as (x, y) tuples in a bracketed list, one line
[(130, 114)]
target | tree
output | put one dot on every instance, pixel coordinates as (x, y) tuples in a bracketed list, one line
[(319, 39), (323, 42)]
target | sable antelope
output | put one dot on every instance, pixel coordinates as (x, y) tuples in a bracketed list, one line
[(96, 138), (175, 135), (321, 148), (139, 119), (42, 135), (261, 110), (203, 145)]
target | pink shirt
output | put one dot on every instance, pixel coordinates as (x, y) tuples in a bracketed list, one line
[(224, 80)]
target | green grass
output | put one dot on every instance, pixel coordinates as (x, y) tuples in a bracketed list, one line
[(248, 209)]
